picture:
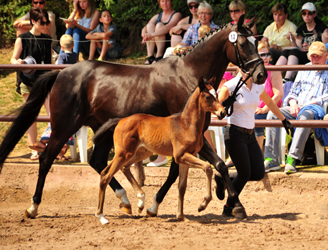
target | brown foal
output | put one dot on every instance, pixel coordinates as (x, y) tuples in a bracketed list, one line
[(180, 135)]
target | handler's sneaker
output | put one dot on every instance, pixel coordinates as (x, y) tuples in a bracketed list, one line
[(270, 165), (290, 167)]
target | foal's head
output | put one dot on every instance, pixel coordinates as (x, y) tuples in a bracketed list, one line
[(208, 99), (243, 50)]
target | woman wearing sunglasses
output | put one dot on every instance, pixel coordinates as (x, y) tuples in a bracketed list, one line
[(178, 31), (37, 47), (238, 8), (312, 30)]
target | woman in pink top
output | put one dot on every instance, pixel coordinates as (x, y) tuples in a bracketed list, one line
[(273, 86)]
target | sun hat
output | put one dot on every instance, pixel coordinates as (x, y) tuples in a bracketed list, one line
[(194, 1), (317, 48), (29, 72), (309, 6)]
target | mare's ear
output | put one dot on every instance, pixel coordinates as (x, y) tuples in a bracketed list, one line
[(251, 22), (241, 21)]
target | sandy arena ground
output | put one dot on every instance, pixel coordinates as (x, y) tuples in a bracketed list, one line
[(284, 212)]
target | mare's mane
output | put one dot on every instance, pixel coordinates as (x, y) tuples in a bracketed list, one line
[(204, 39)]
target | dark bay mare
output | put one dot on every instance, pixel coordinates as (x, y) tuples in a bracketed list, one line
[(91, 92)]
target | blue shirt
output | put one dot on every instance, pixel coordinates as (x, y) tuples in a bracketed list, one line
[(191, 36), (309, 86), (113, 28), (68, 58)]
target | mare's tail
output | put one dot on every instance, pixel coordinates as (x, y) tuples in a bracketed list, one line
[(27, 114), (107, 128)]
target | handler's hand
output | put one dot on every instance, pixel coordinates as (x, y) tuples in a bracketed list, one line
[(289, 128)]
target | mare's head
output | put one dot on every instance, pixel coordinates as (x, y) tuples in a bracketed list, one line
[(242, 50), (208, 99)]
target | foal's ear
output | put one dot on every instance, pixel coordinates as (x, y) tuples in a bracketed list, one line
[(251, 22), (201, 83)]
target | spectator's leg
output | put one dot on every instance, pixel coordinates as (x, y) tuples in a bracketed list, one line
[(93, 47), (292, 60), (175, 40), (259, 132), (300, 137), (160, 42), (105, 46), (84, 44), (271, 149), (32, 132), (150, 44)]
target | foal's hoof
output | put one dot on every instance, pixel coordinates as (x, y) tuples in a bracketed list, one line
[(126, 208), (180, 217), (239, 213), (140, 209), (151, 214), (27, 215)]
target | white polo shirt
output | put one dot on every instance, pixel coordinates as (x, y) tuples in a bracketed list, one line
[(245, 105)]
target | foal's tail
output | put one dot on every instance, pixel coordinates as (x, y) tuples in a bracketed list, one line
[(27, 113), (107, 128)]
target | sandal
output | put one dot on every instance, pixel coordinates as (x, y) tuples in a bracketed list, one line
[(150, 60), (62, 158), (34, 156), (157, 59), (39, 146), (61, 155)]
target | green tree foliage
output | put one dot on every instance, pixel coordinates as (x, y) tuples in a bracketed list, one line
[(131, 15)]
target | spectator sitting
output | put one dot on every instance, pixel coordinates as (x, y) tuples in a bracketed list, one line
[(23, 24), (205, 13), (82, 20), (310, 31), (309, 89), (237, 8), (178, 31), (68, 56), (156, 32), (273, 86), (37, 47), (275, 35), (107, 33)]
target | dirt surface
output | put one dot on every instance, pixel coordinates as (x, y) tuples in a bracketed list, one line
[(284, 212)]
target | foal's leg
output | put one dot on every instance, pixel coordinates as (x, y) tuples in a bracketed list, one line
[(191, 160), (98, 162), (183, 176), (208, 153)]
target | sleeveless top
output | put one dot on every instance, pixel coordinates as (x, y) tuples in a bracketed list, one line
[(39, 47), (184, 31), (268, 89), (84, 21), (160, 17)]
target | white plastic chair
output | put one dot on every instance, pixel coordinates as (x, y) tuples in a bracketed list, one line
[(82, 142), (217, 137), (319, 150)]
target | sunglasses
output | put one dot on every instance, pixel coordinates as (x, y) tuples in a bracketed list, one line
[(264, 55), (234, 11), (194, 6), (41, 3), (42, 23), (310, 13)]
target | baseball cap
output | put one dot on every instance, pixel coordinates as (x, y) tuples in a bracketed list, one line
[(194, 1), (317, 48), (309, 6)]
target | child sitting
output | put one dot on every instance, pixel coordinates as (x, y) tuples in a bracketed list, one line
[(107, 33), (68, 57)]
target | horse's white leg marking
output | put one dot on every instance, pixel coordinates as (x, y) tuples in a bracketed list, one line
[(121, 194), (154, 209), (102, 219), (141, 203), (33, 210)]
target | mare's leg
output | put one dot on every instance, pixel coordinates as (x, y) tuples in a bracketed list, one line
[(173, 175), (183, 176), (98, 162), (208, 153), (191, 160), (55, 144)]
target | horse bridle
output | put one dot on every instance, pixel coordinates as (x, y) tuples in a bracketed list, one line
[(228, 103)]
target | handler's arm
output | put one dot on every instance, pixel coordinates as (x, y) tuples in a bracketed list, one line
[(272, 106)]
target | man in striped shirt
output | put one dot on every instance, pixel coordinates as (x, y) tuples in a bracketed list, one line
[(307, 94)]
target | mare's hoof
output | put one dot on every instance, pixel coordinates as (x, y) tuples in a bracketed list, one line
[(126, 208), (27, 215), (140, 209), (151, 214), (180, 217), (239, 213)]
